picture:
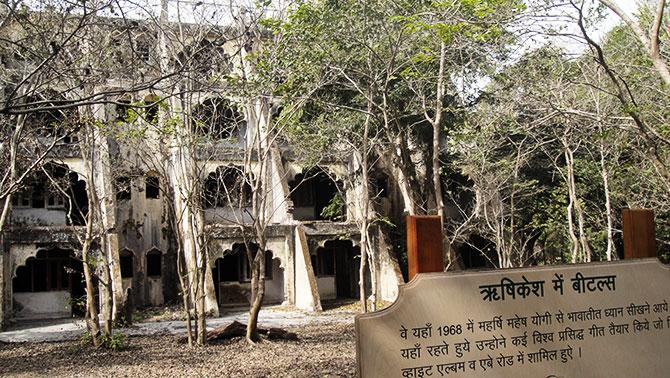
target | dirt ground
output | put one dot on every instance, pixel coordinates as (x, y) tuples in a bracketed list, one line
[(322, 351)]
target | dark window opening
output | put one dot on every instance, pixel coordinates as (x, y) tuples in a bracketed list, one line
[(151, 111), (80, 201), (122, 109), (268, 265), (144, 51), (217, 119), (38, 196), (126, 262), (314, 192), (302, 192), (325, 262), (380, 187), (21, 199), (50, 122), (123, 189), (154, 260), (229, 267), (152, 187), (235, 267), (55, 201), (226, 186)]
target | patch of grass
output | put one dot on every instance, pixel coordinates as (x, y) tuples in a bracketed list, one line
[(116, 342)]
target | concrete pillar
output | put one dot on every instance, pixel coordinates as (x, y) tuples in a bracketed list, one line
[(289, 270), (306, 290), (388, 271)]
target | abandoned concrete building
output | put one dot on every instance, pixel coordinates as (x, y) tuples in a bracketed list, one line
[(311, 257)]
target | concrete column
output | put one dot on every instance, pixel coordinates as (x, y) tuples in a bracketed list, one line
[(306, 289), (289, 270)]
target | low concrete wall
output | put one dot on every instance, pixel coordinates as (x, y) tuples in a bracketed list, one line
[(327, 289), (42, 305), (39, 217)]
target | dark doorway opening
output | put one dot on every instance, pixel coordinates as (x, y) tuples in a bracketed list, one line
[(341, 260)]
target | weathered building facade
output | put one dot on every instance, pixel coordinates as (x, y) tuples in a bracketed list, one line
[(310, 256)]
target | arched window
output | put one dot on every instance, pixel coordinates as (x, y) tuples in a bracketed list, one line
[(126, 261), (226, 186), (154, 263), (217, 118), (234, 266)]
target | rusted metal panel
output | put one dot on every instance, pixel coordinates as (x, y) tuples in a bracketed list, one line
[(424, 245)]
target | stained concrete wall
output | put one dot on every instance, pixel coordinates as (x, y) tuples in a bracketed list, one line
[(141, 225), (42, 305), (155, 291), (226, 215), (38, 217)]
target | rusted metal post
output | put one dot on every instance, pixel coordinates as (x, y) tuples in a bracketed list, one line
[(639, 234), (424, 245)]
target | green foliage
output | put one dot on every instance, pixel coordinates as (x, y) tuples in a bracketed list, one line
[(335, 208), (116, 342)]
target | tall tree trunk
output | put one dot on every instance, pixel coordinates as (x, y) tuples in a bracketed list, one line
[(13, 147), (93, 318), (437, 135), (608, 205), (257, 290), (259, 111), (365, 203), (570, 208)]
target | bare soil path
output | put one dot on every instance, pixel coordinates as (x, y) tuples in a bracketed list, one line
[(324, 350)]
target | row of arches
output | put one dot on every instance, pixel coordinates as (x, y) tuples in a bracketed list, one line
[(314, 193), (58, 269), (55, 187), (151, 186), (215, 117), (153, 263)]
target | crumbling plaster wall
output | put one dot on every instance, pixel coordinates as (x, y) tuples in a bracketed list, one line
[(141, 224)]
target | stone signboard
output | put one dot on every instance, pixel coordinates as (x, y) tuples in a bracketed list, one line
[(587, 320)]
